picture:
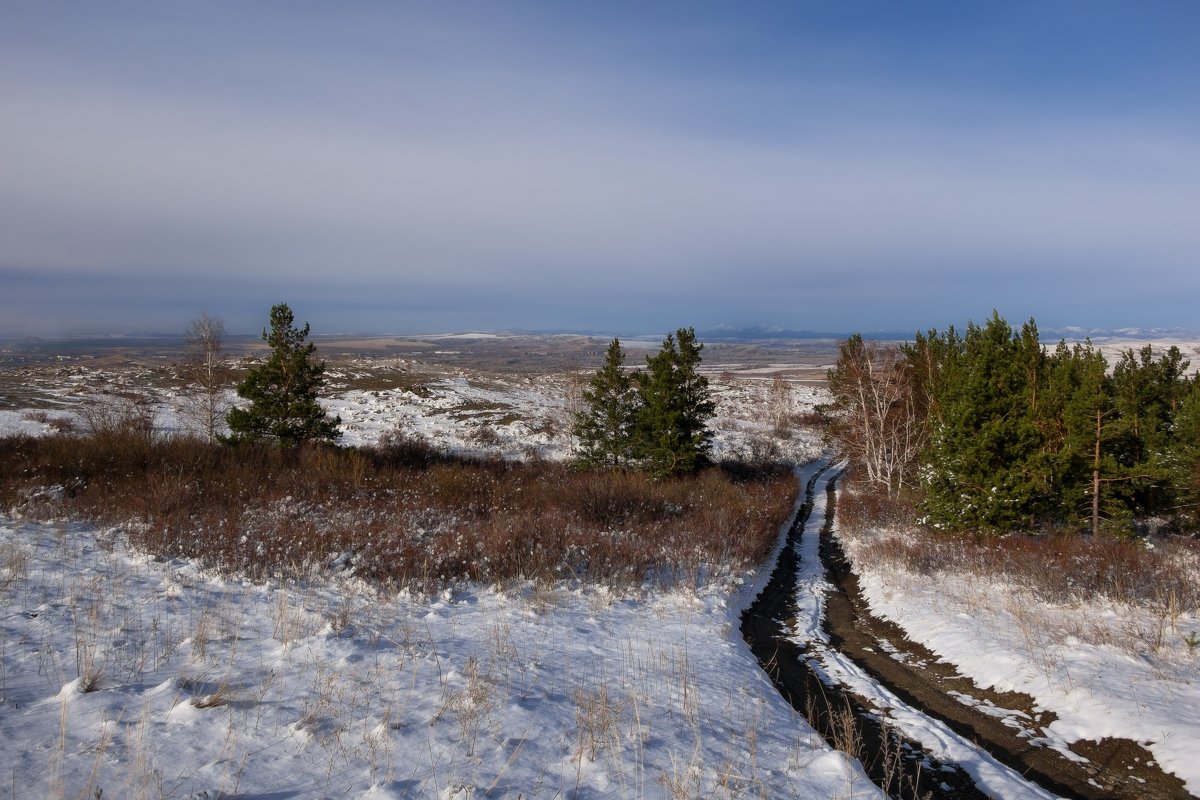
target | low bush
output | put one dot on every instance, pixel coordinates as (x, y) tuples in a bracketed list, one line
[(401, 513), (1056, 566)]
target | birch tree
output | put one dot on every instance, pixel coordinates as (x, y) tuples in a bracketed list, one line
[(878, 419), (206, 376)]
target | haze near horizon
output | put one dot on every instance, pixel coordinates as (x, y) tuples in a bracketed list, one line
[(442, 167)]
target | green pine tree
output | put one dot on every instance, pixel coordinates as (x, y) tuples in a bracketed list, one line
[(1185, 450), (283, 391), (604, 428), (1075, 419), (978, 469), (671, 434), (1147, 395), (1020, 437)]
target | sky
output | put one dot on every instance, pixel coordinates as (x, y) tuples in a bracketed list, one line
[(620, 166)]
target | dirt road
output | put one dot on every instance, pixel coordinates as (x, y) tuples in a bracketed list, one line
[(1111, 768)]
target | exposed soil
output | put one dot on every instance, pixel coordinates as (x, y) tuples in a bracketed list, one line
[(897, 765), (1115, 768)]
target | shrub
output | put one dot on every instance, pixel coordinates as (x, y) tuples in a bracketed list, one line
[(1058, 566), (399, 513), (398, 448)]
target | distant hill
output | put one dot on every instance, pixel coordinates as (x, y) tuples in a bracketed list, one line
[(1074, 332), (771, 332)]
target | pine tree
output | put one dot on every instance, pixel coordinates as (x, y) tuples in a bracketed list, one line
[(604, 426), (283, 391), (1019, 437), (1185, 449), (1147, 394), (1075, 419), (672, 435), (977, 468)]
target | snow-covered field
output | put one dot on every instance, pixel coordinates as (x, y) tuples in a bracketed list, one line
[(148, 678), (1103, 669), (512, 415), (138, 677), (522, 416)]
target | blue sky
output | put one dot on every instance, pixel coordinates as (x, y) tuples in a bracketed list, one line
[(629, 167)]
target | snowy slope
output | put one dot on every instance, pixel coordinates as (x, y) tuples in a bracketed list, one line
[(146, 678), (1103, 669)]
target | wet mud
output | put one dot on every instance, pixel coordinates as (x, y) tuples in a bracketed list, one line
[(1114, 768)]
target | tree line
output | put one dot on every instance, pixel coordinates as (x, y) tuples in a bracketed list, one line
[(989, 429)]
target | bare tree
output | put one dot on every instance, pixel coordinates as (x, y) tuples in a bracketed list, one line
[(573, 405), (780, 402), (879, 421), (206, 376)]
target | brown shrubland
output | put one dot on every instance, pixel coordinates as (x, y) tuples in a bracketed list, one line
[(1055, 566), (400, 514)]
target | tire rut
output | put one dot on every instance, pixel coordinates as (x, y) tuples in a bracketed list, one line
[(1113, 768), (897, 765)]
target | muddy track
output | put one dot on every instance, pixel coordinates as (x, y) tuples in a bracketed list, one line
[(1114, 768), (897, 765)]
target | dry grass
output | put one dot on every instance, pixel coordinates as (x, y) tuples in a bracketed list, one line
[(1054, 567), (401, 514), (358, 511)]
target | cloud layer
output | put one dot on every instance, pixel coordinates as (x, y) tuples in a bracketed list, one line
[(394, 170)]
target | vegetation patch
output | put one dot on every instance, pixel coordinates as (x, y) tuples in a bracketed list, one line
[(1058, 567), (400, 514), (992, 431)]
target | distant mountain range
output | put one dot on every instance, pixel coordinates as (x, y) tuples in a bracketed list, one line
[(1071, 333), (761, 332), (728, 333), (1076, 332)]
